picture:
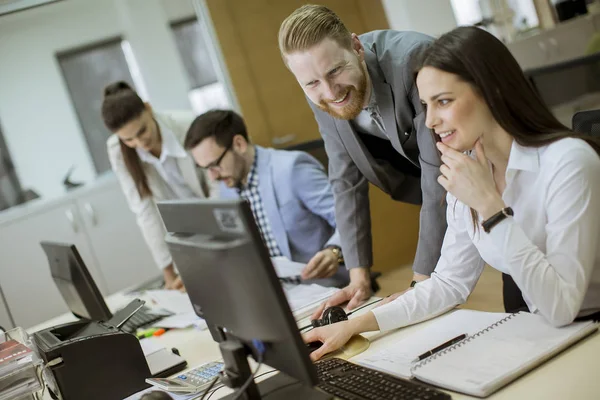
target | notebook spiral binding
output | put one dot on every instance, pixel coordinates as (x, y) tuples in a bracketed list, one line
[(461, 343)]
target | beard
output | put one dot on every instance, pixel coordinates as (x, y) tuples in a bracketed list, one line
[(355, 104), (240, 172)]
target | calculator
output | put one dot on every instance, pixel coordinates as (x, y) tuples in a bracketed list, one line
[(192, 381)]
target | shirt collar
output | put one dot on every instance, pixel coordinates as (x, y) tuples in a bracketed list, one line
[(523, 158), (372, 101), (170, 146), (252, 174)]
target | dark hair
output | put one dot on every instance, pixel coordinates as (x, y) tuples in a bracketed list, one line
[(223, 125), (480, 59), (120, 106), (156, 395)]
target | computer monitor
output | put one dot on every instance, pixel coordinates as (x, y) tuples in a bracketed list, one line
[(232, 284), (74, 282), (568, 87)]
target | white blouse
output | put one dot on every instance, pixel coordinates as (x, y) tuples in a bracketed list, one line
[(551, 247)]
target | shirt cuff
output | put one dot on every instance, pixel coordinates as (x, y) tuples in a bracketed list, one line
[(499, 231), (390, 316)]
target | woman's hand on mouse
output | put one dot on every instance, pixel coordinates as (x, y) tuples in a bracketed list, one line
[(332, 336), (336, 335)]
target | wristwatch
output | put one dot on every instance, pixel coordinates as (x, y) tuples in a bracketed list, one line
[(337, 251), (492, 221)]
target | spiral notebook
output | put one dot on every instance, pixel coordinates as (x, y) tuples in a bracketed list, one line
[(495, 356)]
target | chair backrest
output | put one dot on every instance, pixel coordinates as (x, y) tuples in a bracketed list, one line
[(315, 148), (587, 122)]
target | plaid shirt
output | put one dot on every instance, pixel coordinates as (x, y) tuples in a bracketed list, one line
[(251, 194)]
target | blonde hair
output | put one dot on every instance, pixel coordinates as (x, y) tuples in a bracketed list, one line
[(308, 26)]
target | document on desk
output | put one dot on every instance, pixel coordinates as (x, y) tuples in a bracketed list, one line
[(398, 358), (171, 300), (304, 299), (285, 268), (174, 396)]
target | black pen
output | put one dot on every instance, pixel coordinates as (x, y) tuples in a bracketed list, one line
[(441, 347)]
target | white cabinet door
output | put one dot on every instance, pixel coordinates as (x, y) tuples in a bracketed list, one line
[(5, 321), (30, 292), (122, 254)]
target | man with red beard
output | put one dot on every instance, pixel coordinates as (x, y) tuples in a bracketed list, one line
[(365, 101)]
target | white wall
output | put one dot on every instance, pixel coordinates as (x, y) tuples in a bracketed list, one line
[(37, 118), (432, 17)]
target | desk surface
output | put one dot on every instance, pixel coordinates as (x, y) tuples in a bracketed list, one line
[(573, 374)]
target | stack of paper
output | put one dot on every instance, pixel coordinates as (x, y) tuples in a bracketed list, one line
[(18, 370), (179, 304), (304, 299)]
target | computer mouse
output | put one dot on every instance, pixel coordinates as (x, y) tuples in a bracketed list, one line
[(312, 346)]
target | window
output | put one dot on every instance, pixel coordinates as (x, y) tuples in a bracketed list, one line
[(206, 92), (86, 72)]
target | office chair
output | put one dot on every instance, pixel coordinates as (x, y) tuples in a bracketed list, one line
[(316, 148), (587, 122)]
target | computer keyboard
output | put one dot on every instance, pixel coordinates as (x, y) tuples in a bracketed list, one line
[(140, 319), (349, 381)]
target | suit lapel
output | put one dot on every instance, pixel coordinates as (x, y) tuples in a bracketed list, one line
[(385, 102), (357, 151), (384, 96), (266, 188)]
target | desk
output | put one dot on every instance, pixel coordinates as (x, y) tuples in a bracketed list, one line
[(573, 374)]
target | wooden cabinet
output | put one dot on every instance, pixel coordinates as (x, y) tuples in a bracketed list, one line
[(272, 102), (97, 221)]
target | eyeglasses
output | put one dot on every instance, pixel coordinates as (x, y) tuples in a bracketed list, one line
[(216, 165)]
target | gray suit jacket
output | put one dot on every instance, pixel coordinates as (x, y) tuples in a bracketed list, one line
[(390, 57)]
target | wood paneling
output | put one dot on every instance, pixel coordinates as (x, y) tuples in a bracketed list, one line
[(274, 105)]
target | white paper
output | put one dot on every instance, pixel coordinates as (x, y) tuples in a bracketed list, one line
[(171, 300), (397, 358), (180, 321), (174, 396), (301, 297), (286, 268), (150, 345)]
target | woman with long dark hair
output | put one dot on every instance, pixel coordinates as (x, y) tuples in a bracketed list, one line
[(523, 193), (146, 153)]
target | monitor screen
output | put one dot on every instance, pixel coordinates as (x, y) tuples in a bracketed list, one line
[(74, 282), (569, 86), (231, 281)]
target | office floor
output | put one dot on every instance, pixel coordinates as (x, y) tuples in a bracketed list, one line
[(487, 295)]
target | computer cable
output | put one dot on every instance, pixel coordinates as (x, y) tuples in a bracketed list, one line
[(312, 324), (209, 387)]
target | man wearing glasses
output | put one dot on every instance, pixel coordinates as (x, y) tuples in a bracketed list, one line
[(288, 192)]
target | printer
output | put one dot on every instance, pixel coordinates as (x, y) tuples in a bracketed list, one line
[(95, 360)]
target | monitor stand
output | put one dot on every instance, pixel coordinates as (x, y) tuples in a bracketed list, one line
[(278, 387)]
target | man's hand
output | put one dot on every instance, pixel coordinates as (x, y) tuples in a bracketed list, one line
[(355, 293), (419, 277), (324, 264)]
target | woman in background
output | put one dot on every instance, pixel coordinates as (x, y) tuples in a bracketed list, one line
[(147, 155), (523, 193)]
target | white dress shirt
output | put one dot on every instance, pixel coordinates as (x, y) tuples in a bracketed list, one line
[(551, 247), (166, 164)]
